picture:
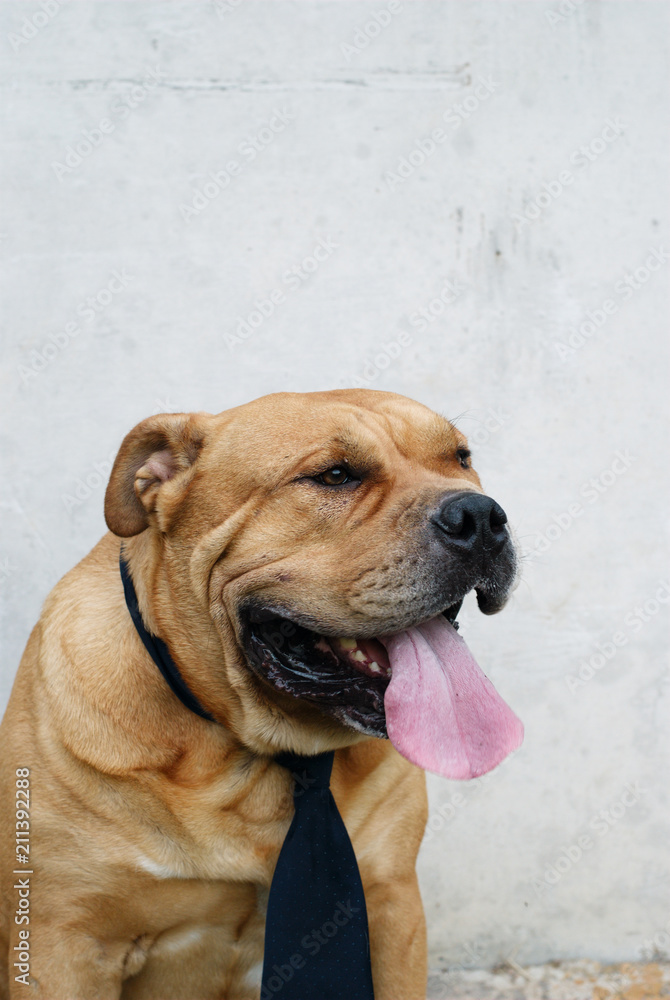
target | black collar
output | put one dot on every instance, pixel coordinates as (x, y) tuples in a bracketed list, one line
[(157, 649)]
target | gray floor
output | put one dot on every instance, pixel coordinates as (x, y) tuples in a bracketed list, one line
[(582, 980)]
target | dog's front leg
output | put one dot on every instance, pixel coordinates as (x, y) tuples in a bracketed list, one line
[(397, 940), (382, 799)]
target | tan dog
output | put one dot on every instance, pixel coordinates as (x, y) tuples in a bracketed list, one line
[(266, 535)]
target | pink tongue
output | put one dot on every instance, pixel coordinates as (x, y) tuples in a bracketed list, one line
[(442, 713)]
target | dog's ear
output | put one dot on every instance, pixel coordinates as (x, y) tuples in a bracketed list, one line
[(157, 450)]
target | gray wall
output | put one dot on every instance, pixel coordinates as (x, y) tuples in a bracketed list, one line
[(130, 274)]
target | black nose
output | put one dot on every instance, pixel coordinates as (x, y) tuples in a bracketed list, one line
[(470, 520)]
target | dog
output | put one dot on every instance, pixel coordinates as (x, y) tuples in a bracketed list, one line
[(304, 557)]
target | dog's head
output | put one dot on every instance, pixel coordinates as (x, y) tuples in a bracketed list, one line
[(292, 533)]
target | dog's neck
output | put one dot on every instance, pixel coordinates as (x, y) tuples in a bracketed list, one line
[(157, 649)]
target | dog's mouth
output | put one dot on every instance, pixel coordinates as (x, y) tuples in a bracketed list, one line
[(346, 677), (420, 686)]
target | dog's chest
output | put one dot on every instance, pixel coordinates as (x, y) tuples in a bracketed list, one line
[(205, 870), (229, 828), (213, 935)]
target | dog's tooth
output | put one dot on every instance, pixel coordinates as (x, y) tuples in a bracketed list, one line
[(347, 643), (374, 667), (359, 656)]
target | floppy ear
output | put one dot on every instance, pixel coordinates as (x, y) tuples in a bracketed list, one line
[(160, 448)]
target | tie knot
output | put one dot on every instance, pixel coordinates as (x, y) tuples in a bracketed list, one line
[(308, 772)]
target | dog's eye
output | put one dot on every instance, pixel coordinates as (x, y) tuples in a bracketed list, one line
[(336, 476), (463, 456)]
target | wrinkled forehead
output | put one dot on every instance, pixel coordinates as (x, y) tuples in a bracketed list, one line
[(357, 426)]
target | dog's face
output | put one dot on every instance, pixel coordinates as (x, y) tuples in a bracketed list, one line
[(304, 526)]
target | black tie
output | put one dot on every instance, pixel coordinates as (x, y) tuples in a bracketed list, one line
[(316, 929)]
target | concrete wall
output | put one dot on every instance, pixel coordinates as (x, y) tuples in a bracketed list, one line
[(130, 276)]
